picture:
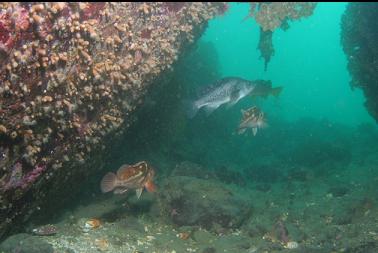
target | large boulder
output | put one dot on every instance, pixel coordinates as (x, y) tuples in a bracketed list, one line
[(72, 76), (24, 243), (359, 35)]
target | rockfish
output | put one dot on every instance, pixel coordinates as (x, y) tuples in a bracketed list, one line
[(252, 118), (227, 90), (48, 229), (264, 89), (137, 176)]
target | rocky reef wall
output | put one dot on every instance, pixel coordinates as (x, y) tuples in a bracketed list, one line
[(72, 76), (359, 38)]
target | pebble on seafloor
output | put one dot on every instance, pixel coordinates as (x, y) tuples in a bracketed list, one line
[(89, 224), (291, 245)]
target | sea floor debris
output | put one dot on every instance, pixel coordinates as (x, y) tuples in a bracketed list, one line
[(294, 216)]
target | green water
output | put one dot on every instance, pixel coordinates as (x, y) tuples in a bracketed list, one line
[(309, 62), (316, 108), (313, 169)]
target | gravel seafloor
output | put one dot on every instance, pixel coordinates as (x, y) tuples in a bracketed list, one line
[(337, 214)]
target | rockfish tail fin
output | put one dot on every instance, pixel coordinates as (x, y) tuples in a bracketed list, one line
[(276, 91), (108, 182), (264, 124)]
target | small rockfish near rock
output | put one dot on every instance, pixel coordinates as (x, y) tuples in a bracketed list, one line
[(45, 230), (136, 177), (252, 118)]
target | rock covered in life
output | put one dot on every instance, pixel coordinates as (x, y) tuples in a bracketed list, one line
[(72, 75), (359, 34)]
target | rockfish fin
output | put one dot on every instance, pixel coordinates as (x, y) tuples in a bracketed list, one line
[(233, 101), (276, 91), (262, 95), (120, 190), (254, 130), (121, 170), (139, 192), (150, 186), (241, 130), (108, 182), (264, 124), (234, 97), (191, 108), (210, 108), (230, 104)]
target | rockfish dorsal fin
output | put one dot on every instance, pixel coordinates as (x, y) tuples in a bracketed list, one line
[(203, 90), (121, 170), (139, 192)]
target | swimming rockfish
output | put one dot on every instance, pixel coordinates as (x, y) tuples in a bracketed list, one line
[(230, 90), (137, 176), (227, 90), (252, 118), (264, 89)]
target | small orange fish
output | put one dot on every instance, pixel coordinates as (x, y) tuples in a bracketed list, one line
[(48, 229), (137, 176), (252, 118)]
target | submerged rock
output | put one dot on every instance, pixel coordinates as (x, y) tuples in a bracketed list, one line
[(359, 34), (190, 169), (230, 176), (207, 203), (368, 247), (24, 243), (209, 250), (339, 191), (71, 85), (131, 223)]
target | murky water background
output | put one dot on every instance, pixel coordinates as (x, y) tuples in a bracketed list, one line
[(305, 183)]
